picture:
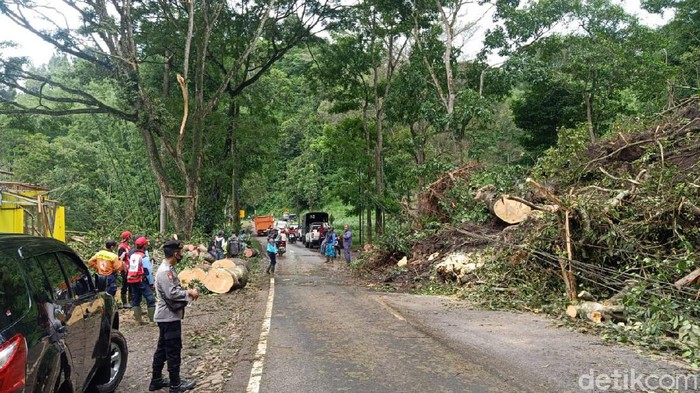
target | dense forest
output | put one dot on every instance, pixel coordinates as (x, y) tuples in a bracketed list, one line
[(359, 108)]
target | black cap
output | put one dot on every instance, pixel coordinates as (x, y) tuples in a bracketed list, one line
[(110, 243), (173, 244)]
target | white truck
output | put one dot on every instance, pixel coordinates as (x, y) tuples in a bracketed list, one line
[(313, 226)]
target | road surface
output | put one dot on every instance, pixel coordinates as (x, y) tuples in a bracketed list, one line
[(327, 334)]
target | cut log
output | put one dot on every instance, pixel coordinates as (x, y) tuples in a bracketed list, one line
[(207, 257), (596, 312), (223, 263), (504, 207), (240, 276), (240, 273), (219, 280), (510, 211), (188, 275), (687, 280), (250, 252), (241, 262)]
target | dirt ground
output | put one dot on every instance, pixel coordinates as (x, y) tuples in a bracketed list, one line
[(213, 332)]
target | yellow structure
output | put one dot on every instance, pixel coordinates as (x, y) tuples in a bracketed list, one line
[(25, 209)]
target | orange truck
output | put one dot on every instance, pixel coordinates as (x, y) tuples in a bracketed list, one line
[(263, 224)]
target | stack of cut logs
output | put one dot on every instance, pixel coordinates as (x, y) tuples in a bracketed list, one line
[(221, 276)]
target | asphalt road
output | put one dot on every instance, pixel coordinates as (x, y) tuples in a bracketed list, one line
[(328, 334)]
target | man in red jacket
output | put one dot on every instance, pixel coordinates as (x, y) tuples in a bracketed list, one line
[(123, 254)]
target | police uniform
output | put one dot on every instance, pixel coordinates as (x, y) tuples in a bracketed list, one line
[(169, 323)]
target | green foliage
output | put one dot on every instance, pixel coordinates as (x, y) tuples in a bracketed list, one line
[(564, 162), (395, 239), (459, 200)]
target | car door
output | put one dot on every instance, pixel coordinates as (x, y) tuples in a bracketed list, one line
[(85, 295), (44, 368), (74, 326)]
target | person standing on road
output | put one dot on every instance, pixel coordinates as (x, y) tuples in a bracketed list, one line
[(330, 241), (107, 264), (123, 252), (170, 310), (347, 243), (138, 277), (272, 254)]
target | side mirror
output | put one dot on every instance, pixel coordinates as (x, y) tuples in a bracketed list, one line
[(100, 282)]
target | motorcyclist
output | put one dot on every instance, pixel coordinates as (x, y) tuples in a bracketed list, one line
[(281, 241)]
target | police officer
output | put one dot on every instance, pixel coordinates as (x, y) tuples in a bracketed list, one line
[(170, 309)]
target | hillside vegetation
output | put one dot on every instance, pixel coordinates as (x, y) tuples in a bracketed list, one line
[(616, 219)]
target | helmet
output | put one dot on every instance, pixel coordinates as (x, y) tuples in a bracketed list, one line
[(126, 235)]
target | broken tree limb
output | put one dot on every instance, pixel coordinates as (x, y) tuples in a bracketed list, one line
[(596, 312), (544, 191), (687, 280), (567, 272)]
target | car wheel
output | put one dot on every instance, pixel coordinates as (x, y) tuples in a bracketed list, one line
[(110, 374)]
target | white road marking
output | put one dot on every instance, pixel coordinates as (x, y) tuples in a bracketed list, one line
[(256, 372), (388, 308)]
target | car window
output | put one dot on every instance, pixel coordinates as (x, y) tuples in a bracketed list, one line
[(77, 273), (37, 279), (54, 274), (46, 310), (14, 295)]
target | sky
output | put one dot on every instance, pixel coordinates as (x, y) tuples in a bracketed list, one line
[(40, 52)]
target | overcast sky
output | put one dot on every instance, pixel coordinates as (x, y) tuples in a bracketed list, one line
[(41, 52)]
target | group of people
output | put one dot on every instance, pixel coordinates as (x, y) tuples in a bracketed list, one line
[(134, 265), (332, 243), (220, 247)]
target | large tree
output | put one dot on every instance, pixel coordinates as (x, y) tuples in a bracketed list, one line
[(172, 62)]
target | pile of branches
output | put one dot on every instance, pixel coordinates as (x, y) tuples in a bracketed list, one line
[(628, 213), (435, 196)]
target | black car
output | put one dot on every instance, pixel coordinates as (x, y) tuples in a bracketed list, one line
[(58, 328)]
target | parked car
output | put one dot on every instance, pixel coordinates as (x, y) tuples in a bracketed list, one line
[(59, 329)]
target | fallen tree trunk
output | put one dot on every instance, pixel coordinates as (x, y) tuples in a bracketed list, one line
[(250, 252), (507, 209)]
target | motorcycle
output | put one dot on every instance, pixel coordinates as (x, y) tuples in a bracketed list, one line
[(281, 247), (292, 238)]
